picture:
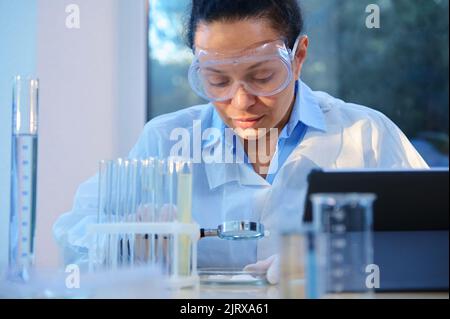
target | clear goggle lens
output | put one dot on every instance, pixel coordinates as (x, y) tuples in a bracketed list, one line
[(266, 72)]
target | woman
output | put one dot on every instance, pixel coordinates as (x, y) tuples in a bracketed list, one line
[(248, 61)]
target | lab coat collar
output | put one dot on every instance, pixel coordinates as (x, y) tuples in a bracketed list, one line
[(320, 147), (219, 174)]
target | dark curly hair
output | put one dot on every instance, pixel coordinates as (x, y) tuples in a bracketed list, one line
[(284, 15)]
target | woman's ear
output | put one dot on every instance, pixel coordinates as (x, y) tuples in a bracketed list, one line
[(300, 55)]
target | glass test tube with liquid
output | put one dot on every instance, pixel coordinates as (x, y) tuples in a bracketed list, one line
[(23, 177)]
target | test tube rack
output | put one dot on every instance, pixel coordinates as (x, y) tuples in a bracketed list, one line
[(115, 245)]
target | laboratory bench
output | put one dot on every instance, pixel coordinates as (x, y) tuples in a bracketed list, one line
[(211, 291)]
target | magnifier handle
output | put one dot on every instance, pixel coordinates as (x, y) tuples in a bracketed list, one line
[(208, 232)]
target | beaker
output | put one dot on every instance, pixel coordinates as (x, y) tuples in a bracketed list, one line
[(343, 246), (23, 177), (295, 250)]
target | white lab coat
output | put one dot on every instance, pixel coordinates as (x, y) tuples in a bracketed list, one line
[(356, 137)]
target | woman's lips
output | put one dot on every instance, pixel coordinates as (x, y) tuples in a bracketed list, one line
[(246, 123)]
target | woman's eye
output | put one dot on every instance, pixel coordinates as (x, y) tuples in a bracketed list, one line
[(220, 82), (263, 77)]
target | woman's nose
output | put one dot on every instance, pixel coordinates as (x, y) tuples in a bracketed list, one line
[(242, 99)]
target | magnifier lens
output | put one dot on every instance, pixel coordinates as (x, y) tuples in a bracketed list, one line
[(240, 235), (241, 230)]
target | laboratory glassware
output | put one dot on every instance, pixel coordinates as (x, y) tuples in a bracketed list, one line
[(295, 260), (343, 245), (23, 177), (145, 218), (235, 230)]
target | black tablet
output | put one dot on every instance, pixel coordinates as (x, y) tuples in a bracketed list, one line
[(406, 200)]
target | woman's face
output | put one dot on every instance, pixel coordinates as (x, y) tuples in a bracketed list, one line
[(246, 113)]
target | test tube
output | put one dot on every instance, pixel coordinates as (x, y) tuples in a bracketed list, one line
[(122, 210), (184, 214), (134, 172), (137, 243), (23, 176), (118, 187), (165, 201), (146, 210), (104, 209)]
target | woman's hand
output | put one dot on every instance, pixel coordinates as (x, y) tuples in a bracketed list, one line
[(270, 265)]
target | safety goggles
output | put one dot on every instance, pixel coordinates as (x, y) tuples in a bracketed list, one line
[(262, 71)]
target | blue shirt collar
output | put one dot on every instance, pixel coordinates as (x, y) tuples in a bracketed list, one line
[(306, 110)]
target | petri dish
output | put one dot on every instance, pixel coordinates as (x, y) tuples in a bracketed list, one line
[(220, 276)]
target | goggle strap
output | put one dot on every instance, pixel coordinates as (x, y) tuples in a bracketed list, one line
[(294, 49)]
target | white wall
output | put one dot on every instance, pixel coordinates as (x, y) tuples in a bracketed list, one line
[(92, 99), (17, 56)]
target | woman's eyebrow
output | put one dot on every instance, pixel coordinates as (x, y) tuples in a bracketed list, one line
[(213, 70), (254, 66)]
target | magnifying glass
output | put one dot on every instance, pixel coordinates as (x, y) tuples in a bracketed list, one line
[(235, 230)]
